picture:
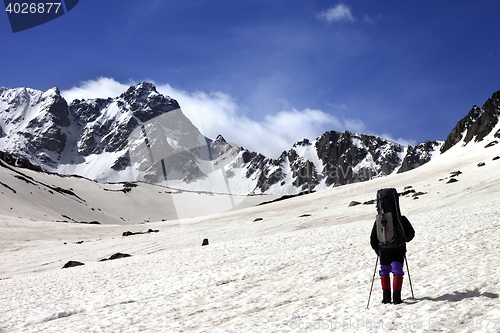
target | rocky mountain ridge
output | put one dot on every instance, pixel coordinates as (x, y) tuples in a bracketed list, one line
[(478, 123), (143, 135)]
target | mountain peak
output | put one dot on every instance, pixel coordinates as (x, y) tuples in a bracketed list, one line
[(220, 138), (139, 91), (477, 124), (146, 102), (302, 143), (52, 92)]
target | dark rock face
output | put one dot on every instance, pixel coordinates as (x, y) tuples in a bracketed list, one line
[(18, 161), (305, 175), (342, 152), (333, 159), (58, 109), (343, 158), (121, 162), (146, 103), (118, 132), (456, 133), (477, 124), (486, 121), (419, 155), (220, 138)]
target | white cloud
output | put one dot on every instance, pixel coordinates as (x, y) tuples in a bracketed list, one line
[(355, 125), (337, 14), (292, 125), (103, 87), (216, 113)]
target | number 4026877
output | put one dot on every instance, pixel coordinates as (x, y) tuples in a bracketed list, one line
[(33, 8)]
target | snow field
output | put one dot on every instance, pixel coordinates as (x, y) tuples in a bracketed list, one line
[(315, 277)]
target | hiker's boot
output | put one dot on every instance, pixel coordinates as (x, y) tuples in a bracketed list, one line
[(386, 298), (397, 284), (396, 297), (386, 288)]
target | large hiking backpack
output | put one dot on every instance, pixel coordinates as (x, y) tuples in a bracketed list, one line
[(390, 231)]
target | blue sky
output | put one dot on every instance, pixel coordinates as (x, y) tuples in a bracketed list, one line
[(268, 73)]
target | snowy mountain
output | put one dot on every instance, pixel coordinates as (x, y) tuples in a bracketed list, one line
[(336, 159), (143, 135), (87, 138), (477, 124)]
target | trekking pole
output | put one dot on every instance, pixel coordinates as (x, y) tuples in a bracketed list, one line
[(371, 288), (409, 278)]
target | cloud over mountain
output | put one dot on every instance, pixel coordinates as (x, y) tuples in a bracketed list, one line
[(216, 112)]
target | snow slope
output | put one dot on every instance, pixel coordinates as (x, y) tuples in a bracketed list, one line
[(50, 197), (306, 266)]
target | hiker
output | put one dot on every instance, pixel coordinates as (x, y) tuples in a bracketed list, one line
[(392, 247)]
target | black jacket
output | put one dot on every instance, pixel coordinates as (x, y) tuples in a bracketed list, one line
[(409, 233)]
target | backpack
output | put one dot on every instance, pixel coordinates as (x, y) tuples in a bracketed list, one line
[(389, 225)]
